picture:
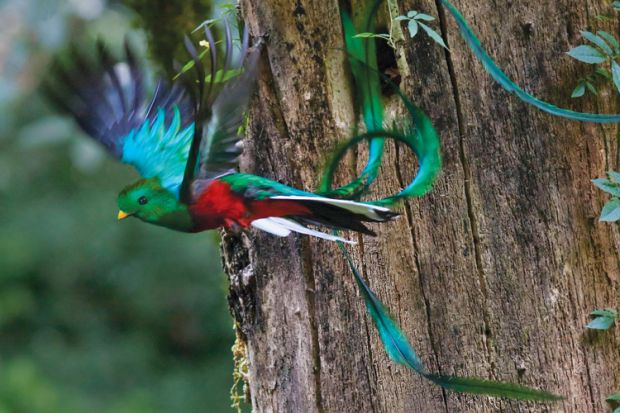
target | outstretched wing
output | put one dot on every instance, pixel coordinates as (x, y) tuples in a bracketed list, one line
[(157, 133), (107, 97), (222, 146), (221, 107)]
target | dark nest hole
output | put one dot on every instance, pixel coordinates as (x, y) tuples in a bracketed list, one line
[(386, 63)]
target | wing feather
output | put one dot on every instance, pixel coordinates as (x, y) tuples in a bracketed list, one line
[(221, 146), (106, 96), (156, 132)]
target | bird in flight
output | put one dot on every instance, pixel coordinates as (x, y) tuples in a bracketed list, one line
[(184, 140)]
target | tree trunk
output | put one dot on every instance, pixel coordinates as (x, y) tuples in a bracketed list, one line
[(492, 275)]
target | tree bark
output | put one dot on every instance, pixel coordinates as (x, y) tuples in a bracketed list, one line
[(492, 275)]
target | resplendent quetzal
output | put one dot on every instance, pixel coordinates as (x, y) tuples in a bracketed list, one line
[(184, 141)]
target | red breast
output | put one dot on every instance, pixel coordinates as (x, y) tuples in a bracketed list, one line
[(218, 206)]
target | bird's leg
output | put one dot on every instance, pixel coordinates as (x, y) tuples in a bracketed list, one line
[(233, 226)]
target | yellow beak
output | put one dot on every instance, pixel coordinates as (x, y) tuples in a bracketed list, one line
[(122, 215)]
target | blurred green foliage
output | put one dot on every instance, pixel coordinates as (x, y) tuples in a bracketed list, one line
[(166, 22), (95, 315)]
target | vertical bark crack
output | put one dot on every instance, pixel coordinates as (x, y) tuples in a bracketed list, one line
[(427, 306), (314, 330), (360, 240), (473, 221)]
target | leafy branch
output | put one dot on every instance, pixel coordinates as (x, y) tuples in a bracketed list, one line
[(220, 76), (384, 36), (611, 185), (614, 399), (603, 320), (414, 21), (603, 52)]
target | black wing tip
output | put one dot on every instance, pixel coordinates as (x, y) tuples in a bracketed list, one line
[(88, 86), (335, 217), (389, 215)]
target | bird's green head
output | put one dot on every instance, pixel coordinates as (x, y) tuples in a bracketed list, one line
[(150, 202)]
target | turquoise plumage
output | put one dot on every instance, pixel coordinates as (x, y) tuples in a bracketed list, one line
[(159, 150), (394, 340), (364, 65), (398, 349), (156, 132)]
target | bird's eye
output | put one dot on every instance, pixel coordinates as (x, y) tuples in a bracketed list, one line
[(142, 200)]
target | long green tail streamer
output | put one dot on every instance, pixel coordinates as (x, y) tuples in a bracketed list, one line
[(423, 140), (421, 137), (496, 73), (363, 63), (398, 348), (394, 341)]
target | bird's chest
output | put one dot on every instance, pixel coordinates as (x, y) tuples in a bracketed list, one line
[(218, 206)]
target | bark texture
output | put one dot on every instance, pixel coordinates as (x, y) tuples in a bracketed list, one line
[(493, 274)]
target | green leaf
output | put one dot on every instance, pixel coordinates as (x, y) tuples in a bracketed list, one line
[(411, 13), (597, 40), (591, 88), (587, 54), (607, 186), (614, 176), (205, 23), (223, 76), (610, 39), (425, 17), (600, 323), (614, 397), (433, 35), (190, 64), (412, 26), (365, 35), (602, 17), (579, 91), (611, 211), (615, 73), (604, 313), (617, 410), (601, 71), (400, 18)]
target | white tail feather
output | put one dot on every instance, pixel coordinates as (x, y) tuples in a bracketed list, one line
[(282, 227), (297, 227), (270, 226)]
